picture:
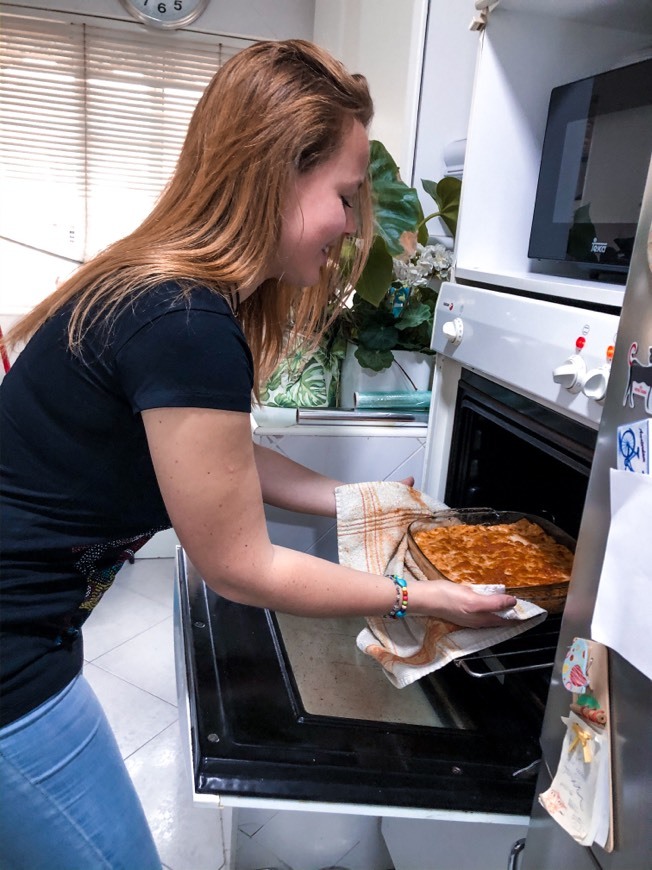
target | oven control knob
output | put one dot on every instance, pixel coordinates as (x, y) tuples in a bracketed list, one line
[(453, 330), (571, 373), (595, 383)]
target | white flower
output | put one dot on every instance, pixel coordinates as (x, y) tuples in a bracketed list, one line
[(428, 260)]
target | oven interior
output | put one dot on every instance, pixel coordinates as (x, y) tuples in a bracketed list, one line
[(510, 453), (290, 707)]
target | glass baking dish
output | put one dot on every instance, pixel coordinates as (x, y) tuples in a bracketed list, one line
[(549, 595)]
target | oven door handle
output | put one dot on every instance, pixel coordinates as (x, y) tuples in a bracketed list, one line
[(514, 854)]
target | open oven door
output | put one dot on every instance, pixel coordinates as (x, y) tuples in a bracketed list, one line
[(464, 744)]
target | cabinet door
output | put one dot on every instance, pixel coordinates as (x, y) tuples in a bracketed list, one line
[(441, 844)]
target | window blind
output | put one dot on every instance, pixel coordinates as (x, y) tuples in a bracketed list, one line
[(91, 122)]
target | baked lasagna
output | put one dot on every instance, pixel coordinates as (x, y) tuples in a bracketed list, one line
[(512, 554)]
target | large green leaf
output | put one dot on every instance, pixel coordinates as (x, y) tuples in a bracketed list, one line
[(379, 337), (446, 193), (396, 204), (376, 360), (377, 273), (414, 315)]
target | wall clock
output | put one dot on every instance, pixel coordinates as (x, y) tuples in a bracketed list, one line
[(166, 14)]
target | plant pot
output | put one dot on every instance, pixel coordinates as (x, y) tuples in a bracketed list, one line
[(410, 370), (303, 381)]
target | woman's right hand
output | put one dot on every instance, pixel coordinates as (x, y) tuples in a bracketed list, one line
[(457, 603)]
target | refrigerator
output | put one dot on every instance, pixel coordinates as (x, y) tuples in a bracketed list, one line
[(628, 401)]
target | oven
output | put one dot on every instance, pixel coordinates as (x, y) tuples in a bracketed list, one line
[(516, 405), (287, 708)]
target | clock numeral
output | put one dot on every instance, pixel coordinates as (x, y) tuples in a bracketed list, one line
[(165, 13)]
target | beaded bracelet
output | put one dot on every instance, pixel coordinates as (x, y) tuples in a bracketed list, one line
[(400, 605)]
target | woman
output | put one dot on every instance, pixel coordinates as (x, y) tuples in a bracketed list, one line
[(128, 411)]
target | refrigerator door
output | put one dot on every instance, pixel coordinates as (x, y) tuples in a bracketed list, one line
[(547, 844)]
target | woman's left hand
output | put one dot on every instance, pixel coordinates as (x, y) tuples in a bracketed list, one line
[(407, 481)]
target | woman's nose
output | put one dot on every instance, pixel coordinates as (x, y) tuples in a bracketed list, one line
[(350, 223)]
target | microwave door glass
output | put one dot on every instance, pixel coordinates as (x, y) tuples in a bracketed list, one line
[(594, 164)]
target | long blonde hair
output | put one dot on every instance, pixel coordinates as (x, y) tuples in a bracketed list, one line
[(274, 109)]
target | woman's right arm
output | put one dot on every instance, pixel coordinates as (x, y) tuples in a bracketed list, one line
[(204, 463)]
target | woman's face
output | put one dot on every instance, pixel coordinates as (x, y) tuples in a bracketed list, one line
[(318, 210)]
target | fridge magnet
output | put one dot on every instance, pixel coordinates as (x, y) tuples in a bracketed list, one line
[(575, 669), (575, 676), (580, 796), (639, 380), (634, 446)]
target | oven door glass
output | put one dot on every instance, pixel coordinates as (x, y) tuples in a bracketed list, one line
[(470, 745)]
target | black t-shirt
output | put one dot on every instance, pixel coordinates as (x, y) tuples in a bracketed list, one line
[(79, 493)]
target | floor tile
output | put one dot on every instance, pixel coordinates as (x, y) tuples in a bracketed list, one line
[(249, 821), (120, 616), (135, 715), (146, 661), (251, 855), (153, 578), (370, 851), (310, 841), (188, 837)]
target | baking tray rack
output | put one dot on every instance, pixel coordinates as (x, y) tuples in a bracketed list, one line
[(534, 650)]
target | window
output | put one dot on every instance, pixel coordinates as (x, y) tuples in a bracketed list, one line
[(91, 122)]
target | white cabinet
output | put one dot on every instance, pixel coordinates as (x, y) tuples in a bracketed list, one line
[(527, 49), (447, 842), (351, 454)]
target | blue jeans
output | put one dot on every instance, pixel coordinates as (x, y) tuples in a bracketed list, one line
[(66, 799)]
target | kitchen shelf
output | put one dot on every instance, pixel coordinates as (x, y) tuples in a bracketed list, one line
[(506, 129)]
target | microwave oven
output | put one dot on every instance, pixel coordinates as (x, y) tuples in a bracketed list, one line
[(594, 163)]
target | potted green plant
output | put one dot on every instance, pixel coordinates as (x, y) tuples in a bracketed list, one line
[(392, 306)]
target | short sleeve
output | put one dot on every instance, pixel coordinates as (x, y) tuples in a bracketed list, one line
[(187, 357)]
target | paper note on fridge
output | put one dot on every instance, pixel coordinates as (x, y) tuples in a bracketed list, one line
[(579, 795), (623, 617)]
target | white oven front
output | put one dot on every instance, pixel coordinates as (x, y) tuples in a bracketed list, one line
[(555, 355)]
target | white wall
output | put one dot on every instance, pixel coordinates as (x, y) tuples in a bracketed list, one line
[(383, 40)]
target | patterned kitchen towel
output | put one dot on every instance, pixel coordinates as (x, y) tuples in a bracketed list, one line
[(372, 522)]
